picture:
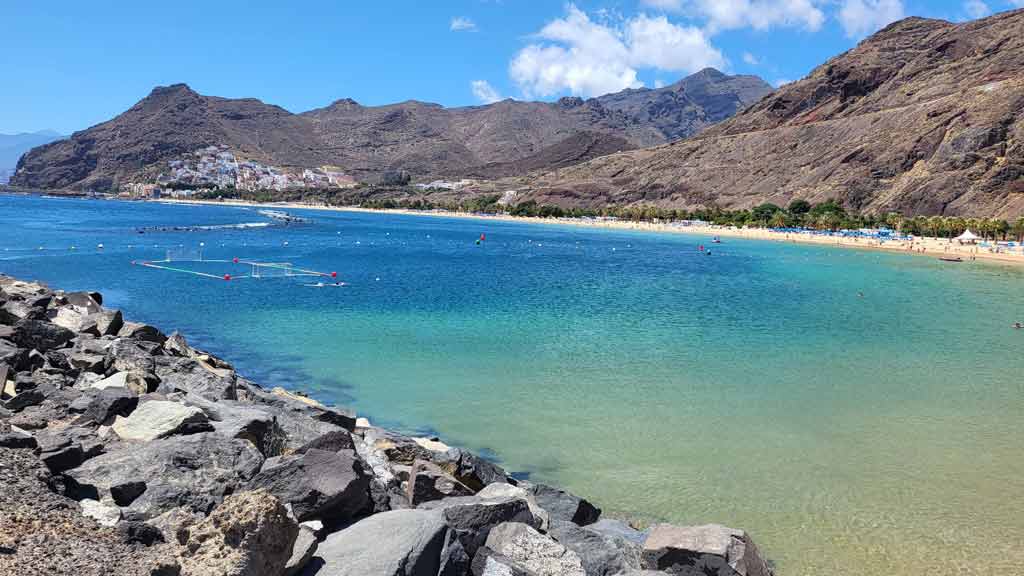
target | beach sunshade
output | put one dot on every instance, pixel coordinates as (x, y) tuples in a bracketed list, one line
[(967, 236)]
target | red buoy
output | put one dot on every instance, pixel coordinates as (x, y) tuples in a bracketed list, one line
[(334, 274), (227, 276), (235, 260)]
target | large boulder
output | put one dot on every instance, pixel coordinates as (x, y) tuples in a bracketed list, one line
[(394, 543), (188, 376), (195, 471), (708, 549), (514, 548), (302, 419), (471, 518), (125, 355), (618, 529), (143, 332), (305, 546), (333, 486), (600, 554), (562, 505), (247, 422), (40, 335), (430, 483), (110, 402), (137, 382), (160, 419), (250, 534), (468, 468)]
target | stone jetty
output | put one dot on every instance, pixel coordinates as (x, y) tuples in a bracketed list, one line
[(127, 451)]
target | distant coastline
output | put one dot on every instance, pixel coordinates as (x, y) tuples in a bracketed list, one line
[(921, 246)]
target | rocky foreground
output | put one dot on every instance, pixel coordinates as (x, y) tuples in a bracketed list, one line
[(125, 451)]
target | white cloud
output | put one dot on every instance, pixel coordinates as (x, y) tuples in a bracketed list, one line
[(750, 59), (757, 14), (484, 92), (460, 24), (587, 58), (862, 17), (978, 9), (659, 83), (780, 82)]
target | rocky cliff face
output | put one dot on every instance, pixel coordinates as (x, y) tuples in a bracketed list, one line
[(426, 140), (923, 117)]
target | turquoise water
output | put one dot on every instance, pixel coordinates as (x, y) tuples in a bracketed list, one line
[(851, 435)]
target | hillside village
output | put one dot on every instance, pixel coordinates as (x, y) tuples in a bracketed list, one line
[(216, 167)]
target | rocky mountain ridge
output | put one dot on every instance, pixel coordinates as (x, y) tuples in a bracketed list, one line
[(924, 117), (425, 140)]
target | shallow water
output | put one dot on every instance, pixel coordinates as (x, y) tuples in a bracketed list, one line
[(851, 435)]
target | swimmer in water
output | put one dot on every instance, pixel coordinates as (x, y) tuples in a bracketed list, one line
[(1018, 325), (860, 294)]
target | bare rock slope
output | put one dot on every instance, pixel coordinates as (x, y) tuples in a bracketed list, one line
[(923, 117)]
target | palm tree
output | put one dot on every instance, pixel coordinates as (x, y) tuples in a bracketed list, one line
[(778, 220), (1018, 229)]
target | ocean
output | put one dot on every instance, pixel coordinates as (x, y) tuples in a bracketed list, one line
[(859, 412)]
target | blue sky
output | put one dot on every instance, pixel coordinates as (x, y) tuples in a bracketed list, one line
[(67, 65)]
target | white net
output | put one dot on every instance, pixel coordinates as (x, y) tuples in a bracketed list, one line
[(185, 254), (271, 269)]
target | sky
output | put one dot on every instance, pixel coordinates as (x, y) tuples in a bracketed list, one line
[(67, 65)]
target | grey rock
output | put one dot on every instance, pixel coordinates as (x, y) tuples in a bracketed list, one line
[(562, 505), (190, 377), (332, 486), (84, 302), (103, 514), (139, 533), (333, 441), (32, 397), (11, 355), (108, 322), (160, 419), (108, 403), (144, 332), (708, 549), (11, 437), (125, 355), (394, 543), (136, 381), (431, 483), (250, 534), (524, 550), (601, 555), (237, 420), (302, 551), (471, 518), (62, 456), (126, 493), (40, 335), (194, 471), (617, 529)]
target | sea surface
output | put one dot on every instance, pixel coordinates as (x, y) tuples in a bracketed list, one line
[(860, 413)]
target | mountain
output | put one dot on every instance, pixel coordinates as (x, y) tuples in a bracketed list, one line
[(12, 146), (426, 140), (923, 117)]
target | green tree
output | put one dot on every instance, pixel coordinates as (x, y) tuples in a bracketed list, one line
[(799, 207), (763, 213)]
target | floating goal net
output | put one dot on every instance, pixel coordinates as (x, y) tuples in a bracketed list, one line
[(271, 269), (182, 254)]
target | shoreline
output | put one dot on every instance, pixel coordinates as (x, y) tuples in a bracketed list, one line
[(117, 440), (920, 246)]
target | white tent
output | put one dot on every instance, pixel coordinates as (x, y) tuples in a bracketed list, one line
[(967, 237)]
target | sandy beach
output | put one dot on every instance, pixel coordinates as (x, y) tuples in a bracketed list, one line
[(924, 246)]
